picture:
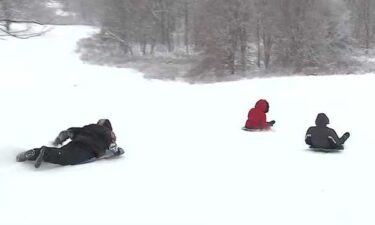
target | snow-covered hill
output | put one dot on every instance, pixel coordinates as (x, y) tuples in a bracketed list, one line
[(187, 161)]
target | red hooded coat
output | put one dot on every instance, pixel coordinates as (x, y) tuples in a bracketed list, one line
[(256, 119)]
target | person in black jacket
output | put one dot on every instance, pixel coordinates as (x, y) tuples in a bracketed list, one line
[(89, 142), (323, 137)]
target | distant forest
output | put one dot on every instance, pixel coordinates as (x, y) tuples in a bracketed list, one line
[(225, 37)]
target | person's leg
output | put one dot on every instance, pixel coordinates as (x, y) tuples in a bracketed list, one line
[(344, 137), (334, 145), (28, 155), (69, 154), (339, 145)]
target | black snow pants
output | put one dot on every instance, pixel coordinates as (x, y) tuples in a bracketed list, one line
[(70, 154), (339, 145)]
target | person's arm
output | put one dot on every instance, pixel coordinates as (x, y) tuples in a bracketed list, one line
[(263, 121), (66, 134), (308, 137), (334, 139)]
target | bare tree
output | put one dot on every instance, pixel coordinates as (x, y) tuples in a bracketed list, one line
[(229, 35), (23, 12)]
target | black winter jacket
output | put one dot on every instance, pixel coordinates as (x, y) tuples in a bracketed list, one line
[(92, 137), (322, 136)]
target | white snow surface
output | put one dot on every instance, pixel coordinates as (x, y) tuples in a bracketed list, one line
[(187, 161)]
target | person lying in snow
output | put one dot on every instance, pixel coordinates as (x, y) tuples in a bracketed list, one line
[(323, 137), (257, 119), (87, 143)]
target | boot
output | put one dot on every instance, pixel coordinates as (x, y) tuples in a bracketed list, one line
[(28, 155), (344, 137), (40, 157)]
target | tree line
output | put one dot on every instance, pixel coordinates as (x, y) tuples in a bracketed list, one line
[(236, 35)]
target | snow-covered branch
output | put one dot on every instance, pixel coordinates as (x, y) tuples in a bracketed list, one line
[(24, 33)]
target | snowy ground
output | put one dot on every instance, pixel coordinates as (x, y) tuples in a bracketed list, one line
[(187, 161)]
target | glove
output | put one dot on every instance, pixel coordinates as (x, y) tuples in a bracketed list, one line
[(63, 136), (116, 150), (271, 123), (119, 151), (57, 142)]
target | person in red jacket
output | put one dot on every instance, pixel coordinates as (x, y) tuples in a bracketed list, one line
[(257, 119)]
